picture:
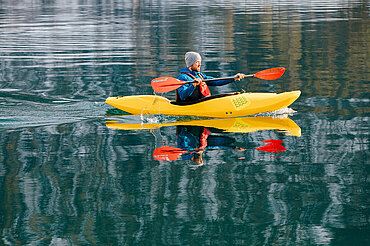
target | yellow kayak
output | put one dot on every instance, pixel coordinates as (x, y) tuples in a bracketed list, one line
[(219, 106), (237, 125)]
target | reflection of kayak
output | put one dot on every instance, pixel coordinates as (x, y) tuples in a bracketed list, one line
[(240, 125), (220, 106)]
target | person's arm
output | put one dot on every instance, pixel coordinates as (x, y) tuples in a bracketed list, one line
[(220, 82), (216, 82), (185, 90), (223, 82)]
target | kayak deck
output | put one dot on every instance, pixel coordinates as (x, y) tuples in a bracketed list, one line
[(204, 99), (227, 105)]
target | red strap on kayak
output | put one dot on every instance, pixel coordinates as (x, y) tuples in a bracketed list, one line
[(203, 86)]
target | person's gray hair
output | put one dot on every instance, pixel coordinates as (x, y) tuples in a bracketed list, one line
[(192, 57)]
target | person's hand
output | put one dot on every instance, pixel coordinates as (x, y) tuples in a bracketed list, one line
[(198, 81), (239, 76)]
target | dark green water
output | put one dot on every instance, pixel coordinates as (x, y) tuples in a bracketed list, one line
[(68, 179)]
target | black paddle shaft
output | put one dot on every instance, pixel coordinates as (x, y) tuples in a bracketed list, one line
[(214, 79)]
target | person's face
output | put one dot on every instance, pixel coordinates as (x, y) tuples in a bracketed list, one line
[(197, 158), (196, 66)]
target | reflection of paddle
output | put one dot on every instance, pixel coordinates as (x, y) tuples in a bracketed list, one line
[(167, 153), (274, 146), (166, 84)]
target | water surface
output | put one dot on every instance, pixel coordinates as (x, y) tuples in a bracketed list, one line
[(68, 178)]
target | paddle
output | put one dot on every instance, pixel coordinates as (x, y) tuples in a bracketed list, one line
[(167, 153), (273, 145), (166, 84)]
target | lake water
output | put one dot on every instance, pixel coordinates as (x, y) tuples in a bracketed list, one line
[(68, 176)]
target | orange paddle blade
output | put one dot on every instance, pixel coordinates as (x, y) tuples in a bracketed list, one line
[(273, 145), (167, 153), (166, 84), (270, 74)]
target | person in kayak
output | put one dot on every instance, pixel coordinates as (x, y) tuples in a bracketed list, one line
[(198, 89)]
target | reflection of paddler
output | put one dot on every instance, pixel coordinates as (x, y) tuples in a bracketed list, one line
[(196, 139), (192, 137)]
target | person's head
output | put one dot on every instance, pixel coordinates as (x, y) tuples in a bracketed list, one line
[(197, 158), (193, 61)]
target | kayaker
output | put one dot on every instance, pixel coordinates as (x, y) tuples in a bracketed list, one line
[(194, 140), (198, 89), (197, 139)]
